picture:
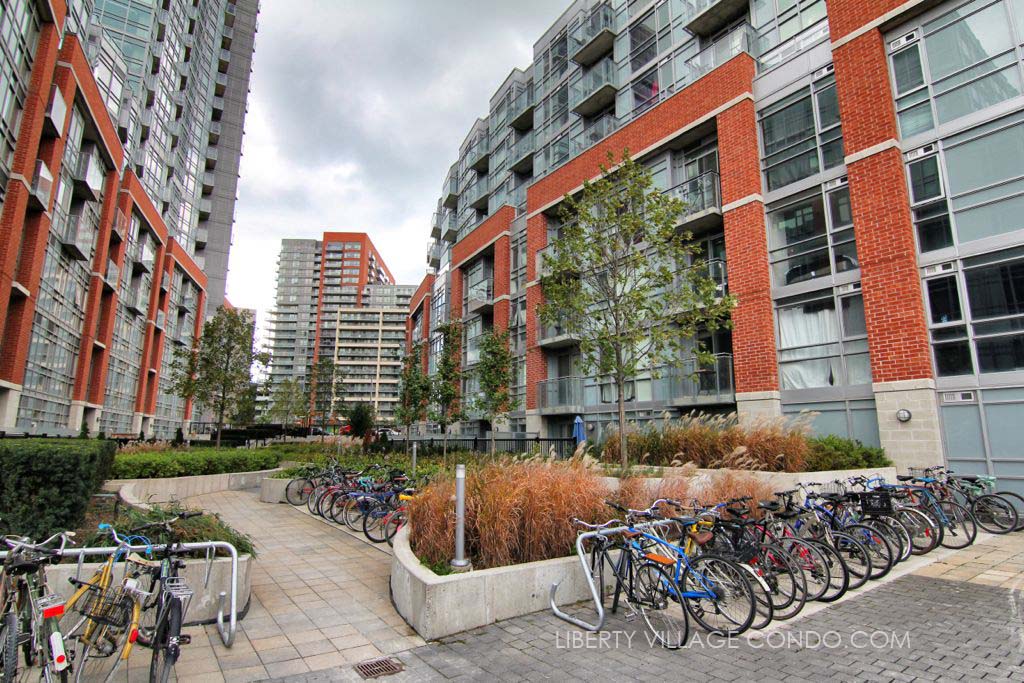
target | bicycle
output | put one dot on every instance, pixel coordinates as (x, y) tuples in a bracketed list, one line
[(30, 613)]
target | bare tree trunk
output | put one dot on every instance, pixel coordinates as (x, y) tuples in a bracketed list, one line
[(444, 447), (220, 422), (623, 446), (408, 431), (493, 447)]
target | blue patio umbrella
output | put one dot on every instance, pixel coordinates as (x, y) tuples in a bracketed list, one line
[(579, 430)]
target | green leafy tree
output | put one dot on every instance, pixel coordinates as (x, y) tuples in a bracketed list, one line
[(627, 282), (245, 410), (361, 418), (413, 391), (327, 392), (495, 372), (289, 402), (217, 370), (446, 408)]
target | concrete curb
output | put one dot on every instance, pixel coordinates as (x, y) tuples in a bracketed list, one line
[(273, 490), (778, 480), (144, 492)]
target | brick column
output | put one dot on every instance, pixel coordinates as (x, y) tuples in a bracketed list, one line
[(501, 283), (755, 366), (536, 361), (891, 284)]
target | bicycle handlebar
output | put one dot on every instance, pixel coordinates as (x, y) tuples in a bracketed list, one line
[(21, 543)]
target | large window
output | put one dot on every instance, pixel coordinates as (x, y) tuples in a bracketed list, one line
[(977, 315), (812, 237), (956, 64), (823, 341), (979, 175), (802, 134)]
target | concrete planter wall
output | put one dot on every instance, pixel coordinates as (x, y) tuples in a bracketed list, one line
[(205, 600), (778, 480), (438, 606), (147, 491), (272, 490)]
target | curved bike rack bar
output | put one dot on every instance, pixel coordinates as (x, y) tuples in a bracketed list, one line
[(227, 633), (599, 606)]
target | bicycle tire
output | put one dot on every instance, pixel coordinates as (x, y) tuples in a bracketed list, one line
[(958, 517), (838, 573), (1017, 501), (314, 498), (729, 586), (890, 535), (373, 523), (297, 491), (925, 534), (658, 598), (323, 506), (165, 647), (900, 529), (855, 556), (355, 508), (995, 514), (395, 522), (762, 597), (774, 559), (812, 562), (877, 546), (9, 647)]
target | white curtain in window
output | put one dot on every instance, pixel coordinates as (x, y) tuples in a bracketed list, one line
[(804, 326)]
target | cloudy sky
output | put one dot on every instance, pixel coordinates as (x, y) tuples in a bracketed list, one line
[(357, 110)]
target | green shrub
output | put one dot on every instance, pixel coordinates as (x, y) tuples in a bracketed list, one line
[(836, 453), (45, 484), (208, 527), (192, 462)]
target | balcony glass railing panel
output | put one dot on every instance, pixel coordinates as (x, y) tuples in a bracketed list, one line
[(698, 194), (523, 147), (743, 38), (602, 18), (693, 382), (595, 78), (562, 392), (598, 130)]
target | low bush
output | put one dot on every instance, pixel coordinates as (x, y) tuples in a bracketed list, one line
[(208, 527), (516, 511), (837, 453), (191, 462), (45, 484), (717, 441)]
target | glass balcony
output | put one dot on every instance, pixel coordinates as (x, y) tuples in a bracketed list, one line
[(56, 113), (435, 225), (521, 158), (137, 299), (741, 39), (42, 186), (451, 190), (595, 90), (89, 175), (594, 36), (701, 199), (560, 395), (555, 336), (598, 130), (479, 152), (434, 254), (693, 384), (518, 198), (521, 111), (471, 354), (543, 269), (480, 296), (707, 17), (161, 318), (477, 194), (449, 227), (111, 277), (713, 269), (79, 234)]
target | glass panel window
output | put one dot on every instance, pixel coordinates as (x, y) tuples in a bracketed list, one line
[(819, 348), (925, 182), (806, 243), (907, 71), (944, 300)]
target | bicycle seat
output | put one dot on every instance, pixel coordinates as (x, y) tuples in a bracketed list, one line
[(700, 537), (738, 511), (904, 477), (967, 477), (22, 566), (773, 506), (140, 560)]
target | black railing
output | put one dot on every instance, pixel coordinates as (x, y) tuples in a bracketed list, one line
[(561, 447)]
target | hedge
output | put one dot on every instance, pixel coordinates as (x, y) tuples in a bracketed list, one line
[(45, 484), (192, 462), (836, 453)]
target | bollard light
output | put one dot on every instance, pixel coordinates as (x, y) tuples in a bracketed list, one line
[(460, 563)]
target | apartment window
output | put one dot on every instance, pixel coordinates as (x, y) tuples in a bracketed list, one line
[(976, 315), (957, 64), (812, 237), (645, 91), (822, 341), (802, 134), (969, 186), (779, 20), (643, 41)]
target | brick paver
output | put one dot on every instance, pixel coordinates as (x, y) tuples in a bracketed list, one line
[(961, 618)]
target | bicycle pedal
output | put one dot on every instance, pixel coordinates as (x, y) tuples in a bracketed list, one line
[(184, 639)]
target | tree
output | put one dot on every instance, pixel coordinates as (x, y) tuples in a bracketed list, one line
[(627, 282), (288, 402), (495, 372), (445, 408), (245, 410), (413, 391), (326, 391), (361, 418), (217, 370)]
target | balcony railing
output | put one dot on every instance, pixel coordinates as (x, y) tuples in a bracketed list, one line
[(555, 336), (471, 354), (743, 38), (78, 235), (137, 299), (451, 191), (698, 195), (595, 90), (477, 193), (521, 157), (434, 254), (707, 17), (449, 227), (42, 186), (480, 296), (518, 198), (560, 395), (713, 269), (112, 275), (435, 225), (594, 36), (478, 153), (694, 384), (521, 112), (598, 130), (89, 176)]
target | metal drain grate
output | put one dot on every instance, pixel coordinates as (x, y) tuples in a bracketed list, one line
[(378, 668)]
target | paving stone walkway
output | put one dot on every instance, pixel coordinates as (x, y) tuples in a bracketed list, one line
[(961, 618), (320, 598)]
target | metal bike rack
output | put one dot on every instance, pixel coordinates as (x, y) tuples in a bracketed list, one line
[(590, 579), (227, 633)]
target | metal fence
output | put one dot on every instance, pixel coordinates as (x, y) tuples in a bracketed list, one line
[(561, 447)]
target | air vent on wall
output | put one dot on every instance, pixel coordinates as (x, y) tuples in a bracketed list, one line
[(838, 182), (846, 289), (958, 397), (824, 71), (920, 152), (940, 268), (900, 42)]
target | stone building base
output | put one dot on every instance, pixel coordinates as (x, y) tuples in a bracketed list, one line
[(917, 442)]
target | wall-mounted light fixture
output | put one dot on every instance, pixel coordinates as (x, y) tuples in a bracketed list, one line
[(903, 415)]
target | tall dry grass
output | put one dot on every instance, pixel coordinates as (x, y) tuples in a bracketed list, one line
[(718, 441), (516, 511)]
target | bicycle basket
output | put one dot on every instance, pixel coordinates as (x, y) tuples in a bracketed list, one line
[(113, 608), (921, 472), (833, 487), (877, 502)]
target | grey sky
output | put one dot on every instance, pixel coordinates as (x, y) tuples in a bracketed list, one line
[(357, 110)]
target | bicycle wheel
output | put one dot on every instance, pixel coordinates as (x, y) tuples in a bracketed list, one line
[(994, 514), (838, 573), (890, 535), (961, 529), (298, 490), (355, 508), (762, 596), (165, 645), (722, 600), (855, 557), (394, 522), (373, 522), (786, 579), (658, 597), (323, 506), (337, 507), (9, 647), (1017, 501), (877, 546), (925, 534), (813, 564), (901, 531)]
